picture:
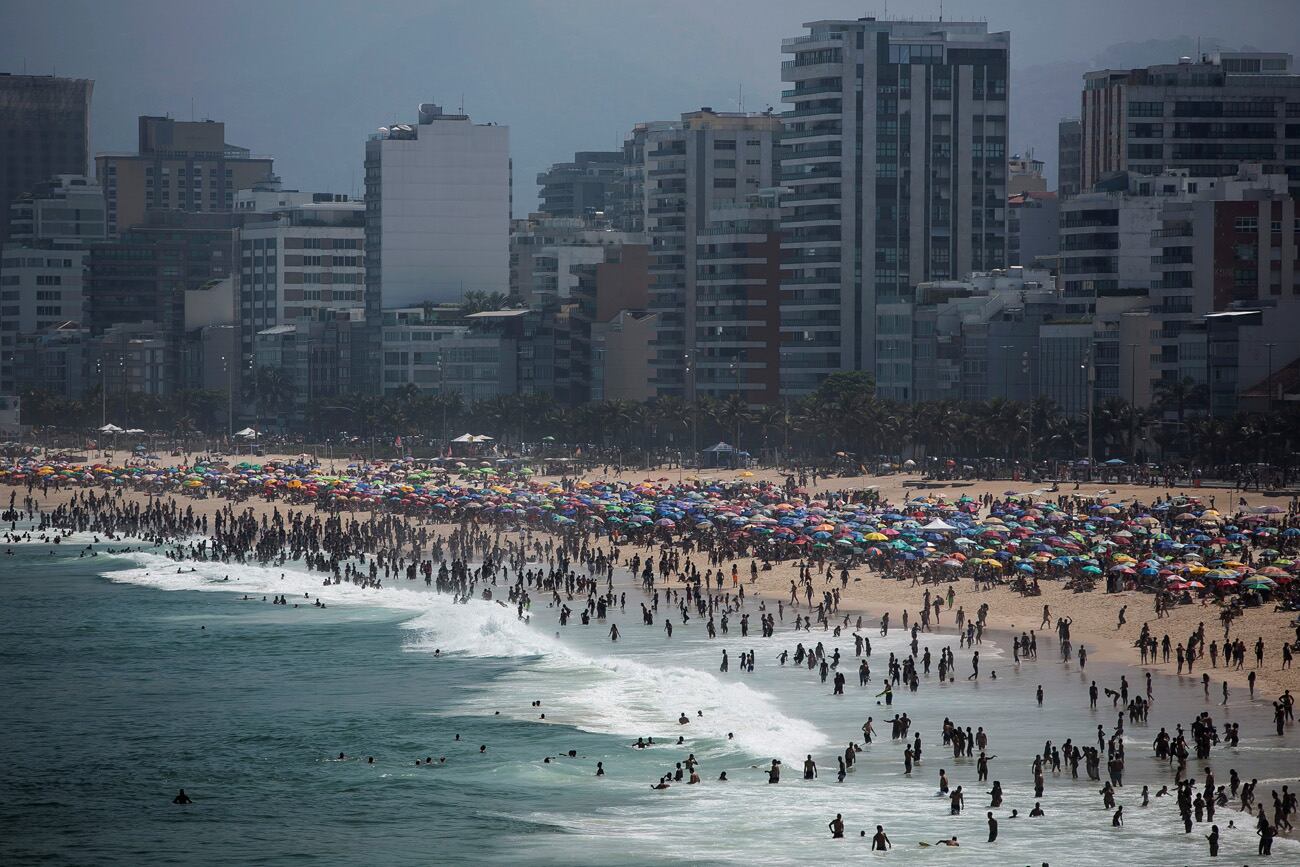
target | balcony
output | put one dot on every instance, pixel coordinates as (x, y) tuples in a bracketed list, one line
[(814, 111), (808, 38), (806, 92)]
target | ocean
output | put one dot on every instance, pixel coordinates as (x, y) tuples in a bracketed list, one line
[(124, 681)]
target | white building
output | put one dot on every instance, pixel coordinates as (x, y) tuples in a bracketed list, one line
[(304, 259), (41, 284), (691, 167), (437, 210), (895, 155)]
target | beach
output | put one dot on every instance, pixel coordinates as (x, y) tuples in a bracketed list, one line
[(480, 710), (1095, 614)]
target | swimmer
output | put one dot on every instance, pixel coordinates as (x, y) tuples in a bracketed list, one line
[(182, 798)]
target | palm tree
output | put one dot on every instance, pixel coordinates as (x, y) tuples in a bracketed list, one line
[(1180, 395)]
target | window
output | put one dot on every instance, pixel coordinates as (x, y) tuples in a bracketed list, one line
[(1246, 224), (311, 260), (49, 280), (1245, 278), (724, 164), (724, 144), (754, 142), (724, 183), (1146, 109)]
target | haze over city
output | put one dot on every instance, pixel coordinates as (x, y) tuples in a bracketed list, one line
[(308, 82)]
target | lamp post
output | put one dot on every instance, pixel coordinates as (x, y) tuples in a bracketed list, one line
[(1269, 382), (442, 391), (229, 370), (1132, 401), (1006, 370), (1089, 377), (695, 409), (734, 366)]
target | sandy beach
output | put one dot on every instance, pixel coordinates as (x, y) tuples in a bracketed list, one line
[(1095, 615)]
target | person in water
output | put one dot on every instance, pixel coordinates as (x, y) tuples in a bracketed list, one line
[(182, 798)]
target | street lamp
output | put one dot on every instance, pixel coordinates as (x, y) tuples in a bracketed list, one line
[(229, 370), (734, 367), (1006, 370), (1269, 382), (1132, 400), (695, 408), (1089, 378)]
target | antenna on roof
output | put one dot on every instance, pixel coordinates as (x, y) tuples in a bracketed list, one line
[(461, 110), (740, 96), (941, 10)]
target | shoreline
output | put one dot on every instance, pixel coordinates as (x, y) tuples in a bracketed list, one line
[(1094, 613)]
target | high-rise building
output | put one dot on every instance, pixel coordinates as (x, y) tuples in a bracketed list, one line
[(738, 301), (1033, 228), (1069, 136), (302, 260), (591, 184), (1232, 247), (708, 159), (44, 131), (895, 155), (180, 165), (41, 267), (611, 335), (1205, 116), (437, 217), (154, 277)]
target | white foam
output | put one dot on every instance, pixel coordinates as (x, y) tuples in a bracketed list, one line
[(609, 694)]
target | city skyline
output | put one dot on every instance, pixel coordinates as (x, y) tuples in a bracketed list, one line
[(341, 75)]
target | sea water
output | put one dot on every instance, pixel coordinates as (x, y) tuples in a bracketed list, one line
[(124, 681)]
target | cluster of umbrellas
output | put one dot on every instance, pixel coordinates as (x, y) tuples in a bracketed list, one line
[(1179, 545)]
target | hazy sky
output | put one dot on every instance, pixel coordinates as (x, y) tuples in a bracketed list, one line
[(306, 81)]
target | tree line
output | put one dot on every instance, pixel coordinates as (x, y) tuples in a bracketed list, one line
[(843, 415)]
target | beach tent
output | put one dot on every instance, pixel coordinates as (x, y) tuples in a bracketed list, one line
[(721, 455), (110, 428), (465, 438), (246, 432), (938, 524)]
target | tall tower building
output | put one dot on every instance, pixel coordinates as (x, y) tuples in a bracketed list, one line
[(895, 158), (1206, 116), (437, 215), (691, 168), (589, 185), (180, 166), (1068, 138), (44, 131)]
